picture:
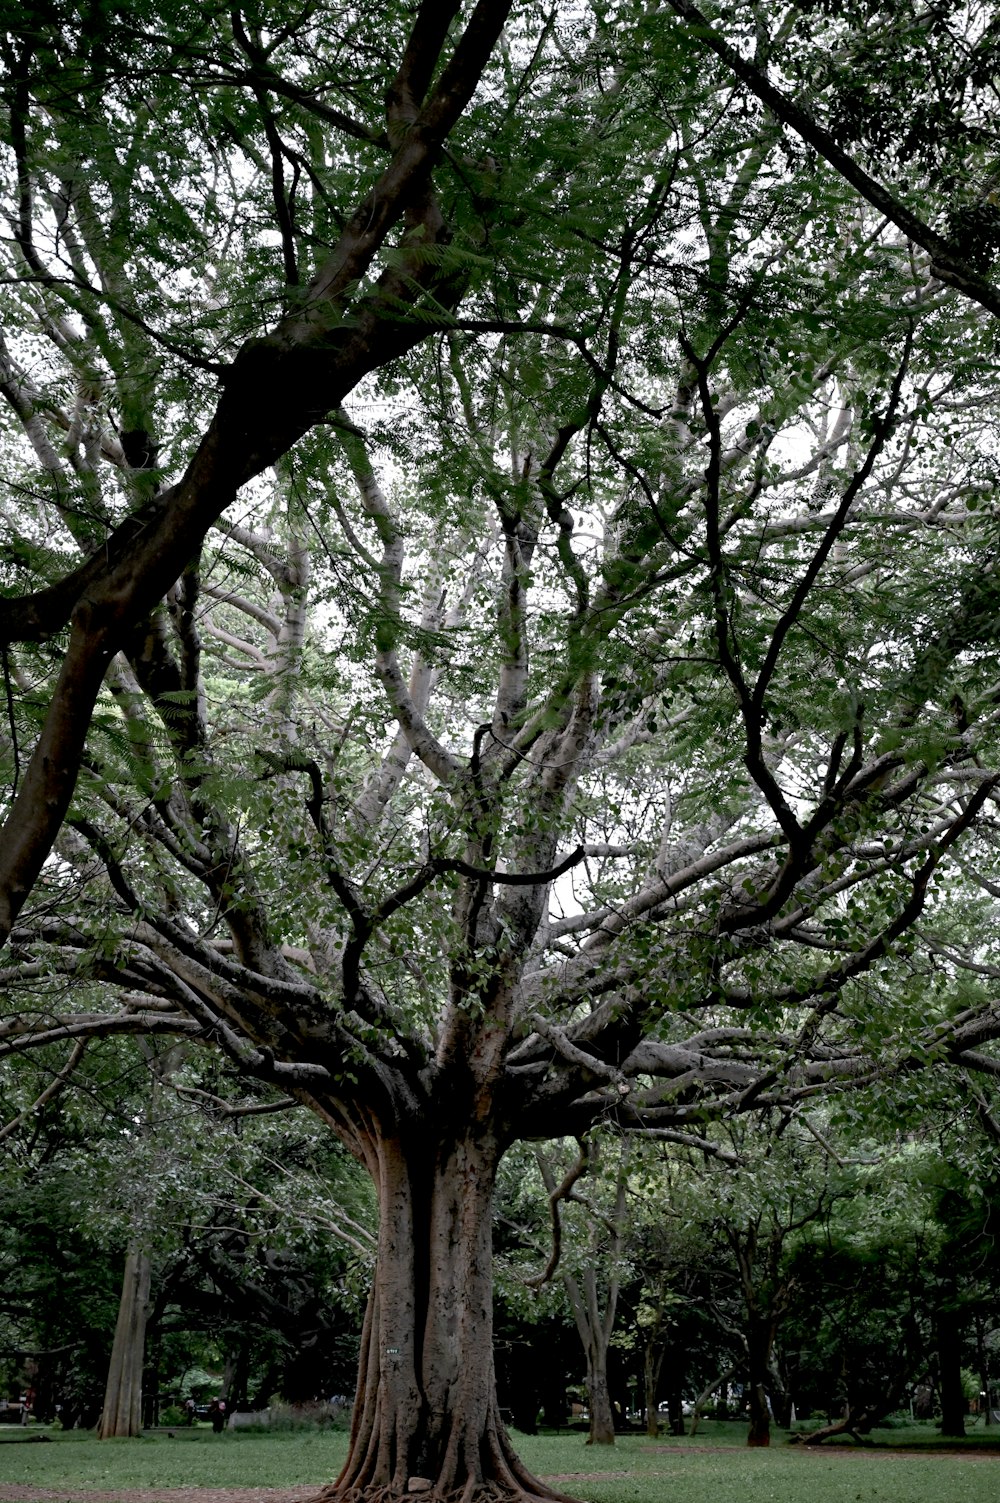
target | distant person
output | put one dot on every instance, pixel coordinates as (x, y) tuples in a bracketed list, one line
[(189, 1407), (217, 1414)]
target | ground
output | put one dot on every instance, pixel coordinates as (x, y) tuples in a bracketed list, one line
[(26, 1493), (712, 1468), (11, 1492)]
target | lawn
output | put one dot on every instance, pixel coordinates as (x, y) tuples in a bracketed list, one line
[(711, 1468)]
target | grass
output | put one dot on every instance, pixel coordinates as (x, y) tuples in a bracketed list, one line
[(192, 1458), (714, 1467)]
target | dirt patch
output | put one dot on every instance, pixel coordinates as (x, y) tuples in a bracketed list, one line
[(575, 1476)]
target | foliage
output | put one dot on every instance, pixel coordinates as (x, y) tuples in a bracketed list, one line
[(501, 597), (248, 1262), (772, 733)]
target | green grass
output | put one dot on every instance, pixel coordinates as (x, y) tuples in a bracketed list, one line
[(714, 1467), (717, 1468), (193, 1458)]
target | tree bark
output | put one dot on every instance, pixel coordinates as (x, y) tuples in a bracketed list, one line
[(759, 1337), (675, 1407), (983, 1363), (602, 1418), (122, 1413), (652, 1366), (426, 1417), (781, 1399), (950, 1374), (849, 1424), (594, 1324), (722, 1384)]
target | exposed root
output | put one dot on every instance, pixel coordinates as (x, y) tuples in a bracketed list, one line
[(829, 1432), (482, 1492)]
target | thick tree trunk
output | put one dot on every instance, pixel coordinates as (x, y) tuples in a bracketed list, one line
[(426, 1418), (122, 1413), (602, 1417)]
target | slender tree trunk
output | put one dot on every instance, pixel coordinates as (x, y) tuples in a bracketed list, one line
[(554, 1404), (426, 1418), (237, 1394), (950, 1374), (122, 1413), (860, 1418), (675, 1406), (850, 1424), (594, 1324), (651, 1369), (722, 1384), (983, 1363), (758, 1357), (781, 1400)]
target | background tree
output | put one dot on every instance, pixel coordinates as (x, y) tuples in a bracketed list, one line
[(592, 1279), (779, 1185), (902, 1262), (255, 1233), (675, 1272), (538, 1349)]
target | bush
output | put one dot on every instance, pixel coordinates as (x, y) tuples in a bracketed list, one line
[(173, 1415)]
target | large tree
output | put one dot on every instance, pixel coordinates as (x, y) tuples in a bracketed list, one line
[(572, 727)]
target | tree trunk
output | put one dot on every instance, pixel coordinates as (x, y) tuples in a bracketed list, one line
[(651, 1368), (554, 1404), (950, 1374), (781, 1399), (850, 1424), (675, 1407), (594, 1324), (722, 1384), (236, 1397), (602, 1418), (122, 1414), (983, 1364), (860, 1417), (426, 1418), (758, 1358)]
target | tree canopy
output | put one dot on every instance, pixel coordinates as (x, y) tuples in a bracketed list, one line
[(499, 608)]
